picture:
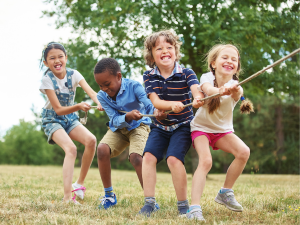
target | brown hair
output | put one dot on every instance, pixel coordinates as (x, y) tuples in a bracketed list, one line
[(150, 42), (214, 103)]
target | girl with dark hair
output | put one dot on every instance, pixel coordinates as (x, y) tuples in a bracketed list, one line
[(59, 120)]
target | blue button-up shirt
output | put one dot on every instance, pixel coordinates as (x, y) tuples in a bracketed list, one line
[(131, 96)]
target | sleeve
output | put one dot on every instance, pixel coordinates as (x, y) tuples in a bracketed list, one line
[(116, 119), (46, 84), (206, 78), (191, 77), (148, 86), (77, 78), (140, 94)]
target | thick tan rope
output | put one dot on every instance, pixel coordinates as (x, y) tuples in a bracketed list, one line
[(82, 120), (249, 78)]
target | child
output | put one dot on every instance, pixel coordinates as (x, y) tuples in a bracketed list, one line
[(125, 129), (169, 87), (59, 121), (212, 126)]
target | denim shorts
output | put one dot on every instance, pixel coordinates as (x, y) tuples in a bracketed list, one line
[(163, 143), (51, 122)]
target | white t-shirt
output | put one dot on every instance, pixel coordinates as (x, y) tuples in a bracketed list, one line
[(48, 84), (220, 121)]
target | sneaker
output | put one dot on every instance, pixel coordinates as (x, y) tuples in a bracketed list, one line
[(195, 214), (147, 210), (78, 190), (107, 202), (182, 209), (72, 201), (156, 207), (229, 201)]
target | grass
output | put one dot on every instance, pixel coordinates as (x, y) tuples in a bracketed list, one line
[(32, 195)]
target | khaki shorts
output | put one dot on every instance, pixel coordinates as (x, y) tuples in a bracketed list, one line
[(119, 140)]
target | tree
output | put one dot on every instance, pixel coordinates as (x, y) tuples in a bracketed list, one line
[(266, 30), (24, 144)]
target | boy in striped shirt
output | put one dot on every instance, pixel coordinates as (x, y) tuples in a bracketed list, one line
[(169, 87)]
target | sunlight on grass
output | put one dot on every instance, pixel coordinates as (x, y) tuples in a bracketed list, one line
[(32, 195)]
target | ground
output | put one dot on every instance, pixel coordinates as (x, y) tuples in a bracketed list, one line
[(32, 195)]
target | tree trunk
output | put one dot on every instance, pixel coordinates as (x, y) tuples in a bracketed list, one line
[(279, 136)]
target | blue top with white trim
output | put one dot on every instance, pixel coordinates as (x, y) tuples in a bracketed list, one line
[(175, 88), (130, 96)]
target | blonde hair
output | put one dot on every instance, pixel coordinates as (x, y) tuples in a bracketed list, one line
[(150, 42), (214, 103)]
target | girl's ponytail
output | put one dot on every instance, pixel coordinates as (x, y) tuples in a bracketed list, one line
[(213, 103), (246, 105)]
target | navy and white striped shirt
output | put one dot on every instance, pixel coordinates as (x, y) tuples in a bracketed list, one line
[(175, 88)]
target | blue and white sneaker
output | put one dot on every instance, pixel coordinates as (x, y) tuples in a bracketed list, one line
[(107, 202), (147, 210), (156, 207)]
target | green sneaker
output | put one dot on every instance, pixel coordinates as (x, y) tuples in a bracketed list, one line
[(229, 201)]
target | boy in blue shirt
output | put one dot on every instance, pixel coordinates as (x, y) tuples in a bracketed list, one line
[(169, 87), (121, 94)]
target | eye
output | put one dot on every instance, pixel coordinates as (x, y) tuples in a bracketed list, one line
[(170, 47), (158, 49)]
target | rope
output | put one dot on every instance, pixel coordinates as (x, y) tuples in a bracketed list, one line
[(242, 82), (249, 78)]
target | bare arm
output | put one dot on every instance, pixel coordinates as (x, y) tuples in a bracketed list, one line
[(197, 95), (163, 105), (91, 93), (64, 110)]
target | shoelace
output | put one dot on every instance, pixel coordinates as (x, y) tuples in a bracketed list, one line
[(81, 188), (103, 199)]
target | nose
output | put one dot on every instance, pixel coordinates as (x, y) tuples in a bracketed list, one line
[(104, 89)]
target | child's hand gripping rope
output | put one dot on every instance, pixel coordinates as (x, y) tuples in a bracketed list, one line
[(247, 79), (86, 107), (227, 91)]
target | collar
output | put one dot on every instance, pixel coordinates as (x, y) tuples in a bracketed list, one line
[(177, 69), (122, 89)]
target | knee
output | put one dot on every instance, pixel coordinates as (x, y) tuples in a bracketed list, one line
[(173, 162), (71, 151), (135, 159), (103, 152), (91, 141), (205, 164), (244, 153), (149, 158)]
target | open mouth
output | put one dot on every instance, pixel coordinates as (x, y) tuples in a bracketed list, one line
[(228, 67), (165, 58), (58, 67)]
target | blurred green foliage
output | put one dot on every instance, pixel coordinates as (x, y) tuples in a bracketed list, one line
[(264, 30)]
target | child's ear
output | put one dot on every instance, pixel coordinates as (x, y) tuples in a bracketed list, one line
[(213, 65), (119, 75), (45, 63)]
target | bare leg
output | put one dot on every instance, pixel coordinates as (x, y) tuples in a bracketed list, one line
[(179, 177), (149, 174), (205, 162), (84, 136), (63, 140), (136, 160), (233, 144), (104, 166)]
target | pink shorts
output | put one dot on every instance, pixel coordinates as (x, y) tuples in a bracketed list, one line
[(212, 137)]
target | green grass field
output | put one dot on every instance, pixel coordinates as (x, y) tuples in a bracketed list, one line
[(32, 195)]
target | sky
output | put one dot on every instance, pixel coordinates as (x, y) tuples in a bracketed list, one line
[(23, 36)]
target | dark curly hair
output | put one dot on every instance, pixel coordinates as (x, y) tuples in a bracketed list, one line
[(107, 64)]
